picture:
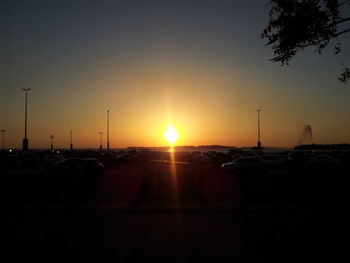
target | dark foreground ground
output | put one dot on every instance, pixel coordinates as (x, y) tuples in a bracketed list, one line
[(153, 211)]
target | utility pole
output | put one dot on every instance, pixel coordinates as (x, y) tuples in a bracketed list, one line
[(3, 139), (107, 130), (51, 138), (25, 140), (101, 140), (259, 142), (71, 141)]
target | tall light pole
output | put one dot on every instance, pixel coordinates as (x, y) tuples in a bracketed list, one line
[(259, 142), (71, 141), (3, 139), (100, 140), (25, 140), (107, 130), (51, 139)]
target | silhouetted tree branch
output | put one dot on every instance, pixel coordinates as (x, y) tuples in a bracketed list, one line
[(298, 24)]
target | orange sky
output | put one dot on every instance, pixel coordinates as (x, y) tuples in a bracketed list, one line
[(207, 107)]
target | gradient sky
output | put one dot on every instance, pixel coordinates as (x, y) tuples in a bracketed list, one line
[(200, 64)]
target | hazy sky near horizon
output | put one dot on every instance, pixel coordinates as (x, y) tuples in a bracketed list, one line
[(200, 64)]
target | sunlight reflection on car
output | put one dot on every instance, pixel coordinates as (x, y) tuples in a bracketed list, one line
[(243, 163)]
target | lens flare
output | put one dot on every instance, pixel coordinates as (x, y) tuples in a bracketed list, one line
[(171, 135)]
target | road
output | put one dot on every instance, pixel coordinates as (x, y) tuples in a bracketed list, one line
[(151, 210)]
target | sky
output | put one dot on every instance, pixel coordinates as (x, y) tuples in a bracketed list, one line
[(200, 65)]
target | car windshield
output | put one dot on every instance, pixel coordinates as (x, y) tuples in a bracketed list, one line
[(248, 160)]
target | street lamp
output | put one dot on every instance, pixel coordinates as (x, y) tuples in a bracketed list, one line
[(3, 139), (100, 140), (51, 139), (107, 130), (71, 141), (25, 140), (259, 142)]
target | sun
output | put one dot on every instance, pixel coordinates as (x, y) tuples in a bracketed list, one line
[(171, 134)]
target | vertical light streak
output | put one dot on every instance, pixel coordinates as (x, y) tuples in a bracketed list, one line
[(173, 175)]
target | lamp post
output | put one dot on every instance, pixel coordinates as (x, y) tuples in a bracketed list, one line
[(107, 130), (25, 140), (71, 141), (100, 140), (259, 142), (51, 139), (3, 139)]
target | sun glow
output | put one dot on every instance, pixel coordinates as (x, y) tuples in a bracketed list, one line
[(171, 134)]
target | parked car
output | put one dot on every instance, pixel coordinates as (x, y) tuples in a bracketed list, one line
[(49, 161), (9, 162), (92, 166), (345, 158), (199, 159), (244, 163), (69, 165), (300, 156), (323, 160), (236, 156), (271, 160), (126, 157), (80, 165)]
